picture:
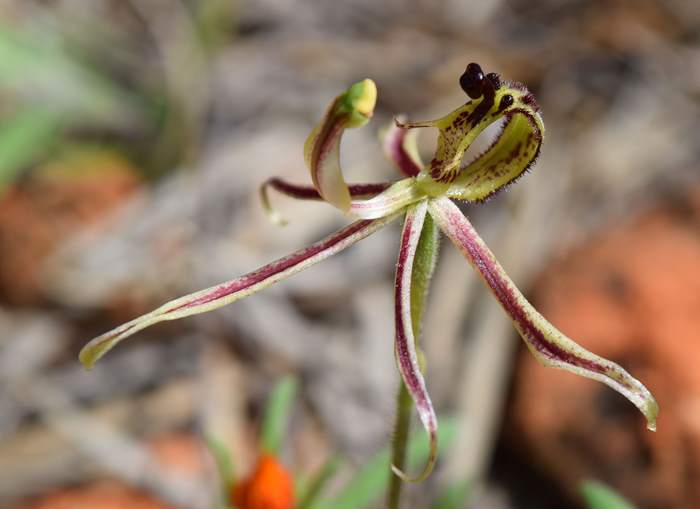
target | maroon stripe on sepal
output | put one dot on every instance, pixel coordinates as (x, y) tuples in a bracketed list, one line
[(276, 267), (302, 192), (405, 343), (550, 346)]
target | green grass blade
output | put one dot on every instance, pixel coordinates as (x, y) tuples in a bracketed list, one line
[(456, 496), (24, 139), (225, 467), (370, 482), (36, 69), (277, 415), (599, 496), (318, 482)]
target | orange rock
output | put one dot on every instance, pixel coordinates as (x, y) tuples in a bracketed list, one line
[(269, 487), (102, 496), (51, 204), (631, 295), (179, 452)]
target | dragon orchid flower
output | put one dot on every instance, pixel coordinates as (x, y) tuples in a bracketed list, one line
[(424, 198)]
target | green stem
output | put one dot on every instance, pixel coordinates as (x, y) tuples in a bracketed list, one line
[(402, 427)]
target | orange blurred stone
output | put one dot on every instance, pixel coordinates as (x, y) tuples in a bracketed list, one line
[(269, 487), (632, 295), (108, 495), (52, 203), (179, 452)]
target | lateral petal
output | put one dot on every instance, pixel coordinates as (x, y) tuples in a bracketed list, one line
[(235, 289), (301, 192)]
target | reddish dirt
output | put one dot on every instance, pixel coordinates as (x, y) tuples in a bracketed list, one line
[(180, 453), (103, 496), (54, 202), (631, 295)]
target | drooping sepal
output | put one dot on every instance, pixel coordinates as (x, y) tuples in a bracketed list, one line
[(235, 289), (405, 342), (549, 346), (351, 109)]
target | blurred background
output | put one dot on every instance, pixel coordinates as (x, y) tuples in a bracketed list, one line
[(133, 138)]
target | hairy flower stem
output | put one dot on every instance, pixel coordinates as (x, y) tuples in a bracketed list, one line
[(423, 266), (402, 427)]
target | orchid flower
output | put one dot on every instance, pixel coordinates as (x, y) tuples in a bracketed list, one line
[(424, 197)]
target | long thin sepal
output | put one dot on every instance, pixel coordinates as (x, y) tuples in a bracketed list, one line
[(549, 346), (235, 289), (401, 148), (351, 109), (301, 192), (405, 344)]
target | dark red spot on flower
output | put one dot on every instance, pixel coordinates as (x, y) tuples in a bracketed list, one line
[(506, 102), (495, 79)]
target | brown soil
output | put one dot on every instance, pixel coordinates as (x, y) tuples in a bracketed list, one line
[(49, 206)]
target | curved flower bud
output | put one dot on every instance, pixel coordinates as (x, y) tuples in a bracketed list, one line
[(405, 344), (549, 346), (401, 148), (351, 109), (235, 289)]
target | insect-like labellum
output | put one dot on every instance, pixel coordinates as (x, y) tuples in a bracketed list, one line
[(519, 141), (424, 197)]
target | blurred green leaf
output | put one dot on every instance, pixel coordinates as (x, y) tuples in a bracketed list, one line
[(24, 139), (599, 496), (214, 21), (310, 493), (224, 463), (455, 496), (277, 415), (35, 68), (370, 482)]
